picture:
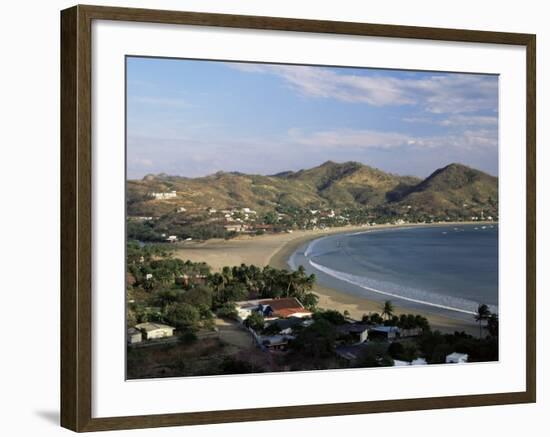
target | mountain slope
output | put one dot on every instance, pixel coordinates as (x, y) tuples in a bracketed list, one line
[(452, 188), (330, 185)]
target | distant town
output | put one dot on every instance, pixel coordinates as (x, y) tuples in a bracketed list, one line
[(229, 223)]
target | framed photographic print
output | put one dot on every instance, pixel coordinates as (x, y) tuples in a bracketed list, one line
[(268, 218)]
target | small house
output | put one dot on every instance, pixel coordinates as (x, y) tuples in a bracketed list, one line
[(456, 358), (285, 307), (415, 362), (272, 308), (358, 332), (133, 336), (275, 342), (381, 332), (164, 195), (234, 228), (153, 331)]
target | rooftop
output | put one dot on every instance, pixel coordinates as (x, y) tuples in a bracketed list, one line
[(352, 328), (150, 326), (382, 328), (284, 307)]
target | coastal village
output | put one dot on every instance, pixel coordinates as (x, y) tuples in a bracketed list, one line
[(164, 208), (280, 318), (207, 296), (229, 223), (184, 319)]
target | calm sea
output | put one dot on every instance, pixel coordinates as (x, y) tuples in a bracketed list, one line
[(446, 269)]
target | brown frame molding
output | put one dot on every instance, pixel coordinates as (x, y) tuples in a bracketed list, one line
[(76, 255)]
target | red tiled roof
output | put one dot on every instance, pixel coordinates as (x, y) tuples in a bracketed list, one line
[(284, 307), (287, 312)]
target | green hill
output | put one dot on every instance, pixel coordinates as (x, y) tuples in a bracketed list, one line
[(452, 189)]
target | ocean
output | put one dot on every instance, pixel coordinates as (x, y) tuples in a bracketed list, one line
[(448, 270)]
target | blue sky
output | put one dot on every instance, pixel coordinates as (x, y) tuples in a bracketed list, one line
[(193, 118)]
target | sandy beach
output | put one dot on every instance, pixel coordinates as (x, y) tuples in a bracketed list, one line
[(275, 249)]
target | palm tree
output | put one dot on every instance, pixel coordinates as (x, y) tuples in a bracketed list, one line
[(388, 309), (482, 314)]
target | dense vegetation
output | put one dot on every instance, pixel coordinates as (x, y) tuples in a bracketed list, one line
[(189, 295)]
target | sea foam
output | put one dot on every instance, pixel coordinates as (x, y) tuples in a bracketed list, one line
[(422, 297)]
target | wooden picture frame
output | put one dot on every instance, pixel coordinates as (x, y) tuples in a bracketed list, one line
[(76, 218)]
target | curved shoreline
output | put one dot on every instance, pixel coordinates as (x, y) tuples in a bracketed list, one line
[(357, 305)]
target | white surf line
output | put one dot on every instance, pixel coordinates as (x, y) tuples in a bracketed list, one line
[(373, 231), (313, 243), (387, 293)]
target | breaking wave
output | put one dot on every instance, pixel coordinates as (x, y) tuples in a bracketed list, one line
[(422, 297)]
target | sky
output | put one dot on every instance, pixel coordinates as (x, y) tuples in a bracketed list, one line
[(193, 118)]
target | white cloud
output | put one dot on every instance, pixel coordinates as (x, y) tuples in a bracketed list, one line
[(438, 93), (371, 139), (350, 138), (472, 120), (457, 120)]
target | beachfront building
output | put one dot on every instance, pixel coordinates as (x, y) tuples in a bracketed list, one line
[(272, 308), (456, 358), (164, 195), (133, 336), (153, 331)]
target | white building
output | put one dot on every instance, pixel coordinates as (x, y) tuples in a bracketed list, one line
[(155, 330), (234, 228), (172, 238), (272, 309), (456, 358), (133, 335), (417, 362), (166, 195)]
